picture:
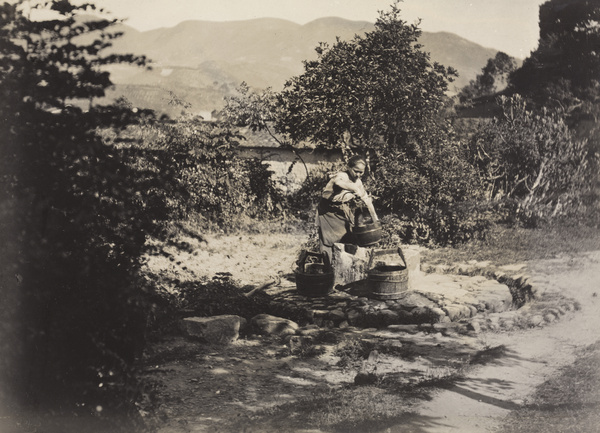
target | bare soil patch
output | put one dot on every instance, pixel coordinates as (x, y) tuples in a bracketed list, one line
[(423, 383)]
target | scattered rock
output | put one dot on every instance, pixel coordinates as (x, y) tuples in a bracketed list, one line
[(513, 268), (450, 328), (410, 329), (344, 325), (508, 324), (457, 311), (353, 316), (295, 342), (536, 320), (474, 326), (362, 379), (439, 315), (337, 315), (265, 324), (215, 330), (309, 330), (389, 317), (555, 312)]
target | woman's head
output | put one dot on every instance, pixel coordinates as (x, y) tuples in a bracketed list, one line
[(356, 167)]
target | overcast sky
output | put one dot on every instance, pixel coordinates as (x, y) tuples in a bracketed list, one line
[(507, 25)]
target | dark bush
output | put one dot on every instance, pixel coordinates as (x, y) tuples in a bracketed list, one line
[(80, 212), (533, 164)]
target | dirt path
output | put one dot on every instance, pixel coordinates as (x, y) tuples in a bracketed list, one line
[(206, 389), (479, 402)]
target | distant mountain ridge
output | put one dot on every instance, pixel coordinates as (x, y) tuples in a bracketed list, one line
[(201, 62)]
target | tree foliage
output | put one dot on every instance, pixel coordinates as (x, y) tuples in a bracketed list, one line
[(259, 112), (50, 62), (381, 95), (493, 78), (564, 70), (74, 215), (376, 88)]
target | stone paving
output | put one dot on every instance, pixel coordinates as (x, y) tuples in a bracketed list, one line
[(436, 299), (468, 297)]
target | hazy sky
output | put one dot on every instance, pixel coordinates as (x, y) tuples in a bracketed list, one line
[(507, 25)]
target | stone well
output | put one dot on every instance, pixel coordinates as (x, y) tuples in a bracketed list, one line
[(350, 263), (429, 298)]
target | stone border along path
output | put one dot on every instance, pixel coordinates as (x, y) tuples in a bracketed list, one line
[(464, 298)]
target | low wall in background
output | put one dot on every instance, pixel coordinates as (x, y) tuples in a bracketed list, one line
[(280, 161)]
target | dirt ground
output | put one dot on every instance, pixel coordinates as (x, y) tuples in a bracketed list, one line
[(261, 384), (480, 401)]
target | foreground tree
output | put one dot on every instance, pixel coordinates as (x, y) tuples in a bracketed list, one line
[(564, 71), (74, 214), (50, 63)]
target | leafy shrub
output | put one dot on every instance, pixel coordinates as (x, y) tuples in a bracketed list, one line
[(270, 201), (431, 187), (534, 161), (219, 295), (209, 177), (353, 351), (459, 224)]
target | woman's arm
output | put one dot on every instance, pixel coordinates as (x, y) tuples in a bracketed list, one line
[(361, 192), (343, 181), (369, 203)]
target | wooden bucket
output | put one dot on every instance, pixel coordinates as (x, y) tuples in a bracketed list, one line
[(314, 275), (387, 280), (368, 234)]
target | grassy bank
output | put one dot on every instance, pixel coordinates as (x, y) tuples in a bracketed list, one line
[(512, 245), (569, 402)]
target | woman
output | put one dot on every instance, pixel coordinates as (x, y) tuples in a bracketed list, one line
[(335, 216)]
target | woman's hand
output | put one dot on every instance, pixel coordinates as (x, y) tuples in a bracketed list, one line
[(369, 203)]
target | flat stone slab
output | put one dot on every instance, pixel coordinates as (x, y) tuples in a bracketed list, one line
[(223, 329), (266, 324)]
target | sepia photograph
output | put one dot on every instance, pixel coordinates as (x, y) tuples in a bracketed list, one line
[(286, 216)]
